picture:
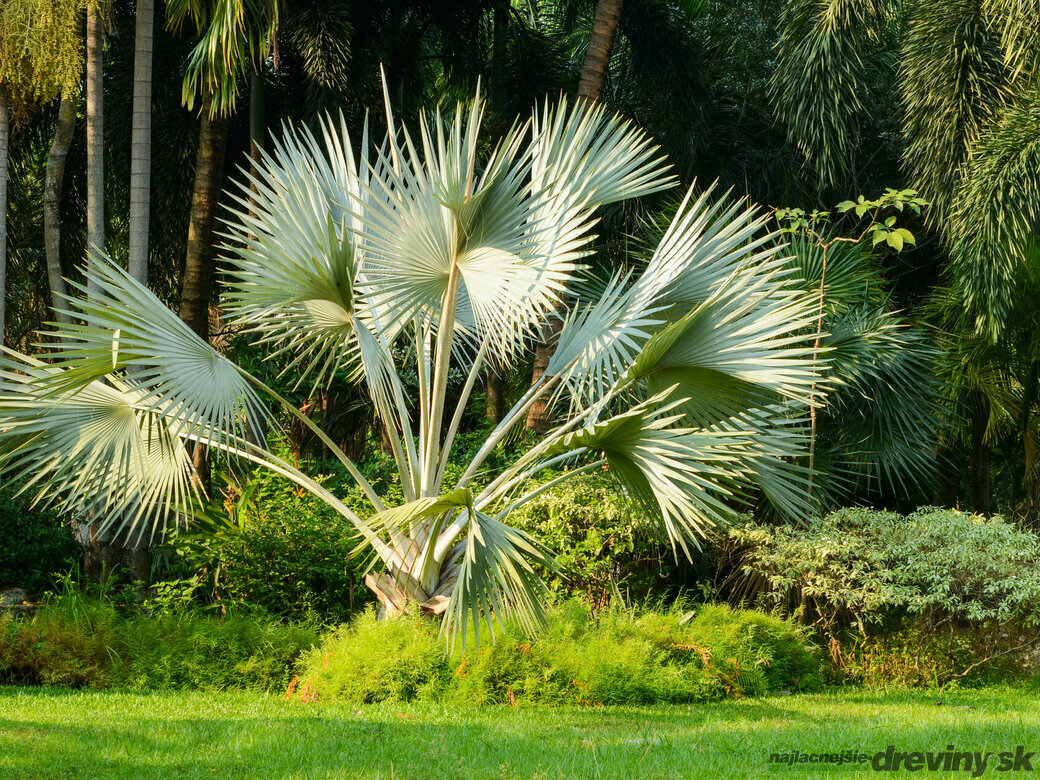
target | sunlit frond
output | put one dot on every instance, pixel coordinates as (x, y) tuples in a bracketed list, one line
[(173, 372), (93, 451), (496, 576)]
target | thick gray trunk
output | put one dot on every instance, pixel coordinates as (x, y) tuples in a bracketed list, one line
[(5, 129), (52, 204), (141, 143), (95, 135)]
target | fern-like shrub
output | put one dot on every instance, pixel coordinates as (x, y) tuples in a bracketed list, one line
[(614, 657)]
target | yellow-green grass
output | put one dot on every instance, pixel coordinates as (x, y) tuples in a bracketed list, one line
[(91, 734)]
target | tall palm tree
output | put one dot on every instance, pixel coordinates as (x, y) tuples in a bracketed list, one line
[(681, 381), (234, 40)]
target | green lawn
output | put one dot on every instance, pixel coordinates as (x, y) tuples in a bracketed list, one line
[(56, 733)]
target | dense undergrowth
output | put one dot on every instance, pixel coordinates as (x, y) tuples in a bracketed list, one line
[(614, 657)]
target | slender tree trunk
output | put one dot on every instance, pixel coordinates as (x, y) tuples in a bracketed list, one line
[(141, 143), (95, 134), (590, 87), (601, 41), (980, 459), (52, 203), (257, 118), (5, 129), (495, 398), (200, 259)]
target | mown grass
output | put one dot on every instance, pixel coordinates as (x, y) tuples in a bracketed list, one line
[(60, 733)]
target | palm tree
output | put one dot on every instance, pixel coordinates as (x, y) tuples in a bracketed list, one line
[(682, 382), (234, 39)]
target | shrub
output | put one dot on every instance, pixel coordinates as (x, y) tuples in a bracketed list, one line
[(860, 567), (615, 657), (286, 553), (603, 541), (36, 544), (374, 660), (927, 599), (80, 641)]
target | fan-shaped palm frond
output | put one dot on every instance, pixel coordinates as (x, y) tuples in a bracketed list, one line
[(95, 449)]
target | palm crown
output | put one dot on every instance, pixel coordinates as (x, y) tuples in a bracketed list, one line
[(683, 381)]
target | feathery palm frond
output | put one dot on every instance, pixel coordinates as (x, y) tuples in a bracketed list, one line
[(820, 85), (995, 212)]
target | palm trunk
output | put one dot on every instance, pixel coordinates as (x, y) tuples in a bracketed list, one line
[(141, 143), (601, 41), (5, 129), (495, 398), (980, 458), (52, 204), (200, 258), (257, 119), (95, 135), (590, 87)]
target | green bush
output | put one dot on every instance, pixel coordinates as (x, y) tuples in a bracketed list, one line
[(36, 544), (862, 568), (81, 641), (604, 542), (285, 553), (931, 598), (374, 660), (614, 657), (915, 656)]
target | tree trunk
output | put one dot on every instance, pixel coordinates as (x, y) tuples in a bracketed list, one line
[(5, 129), (495, 398), (601, 41), (52, 204), (980, 459), (200, 259), (141, 143), (590, 87), (257, 118), (95, 134), (538, 418)]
